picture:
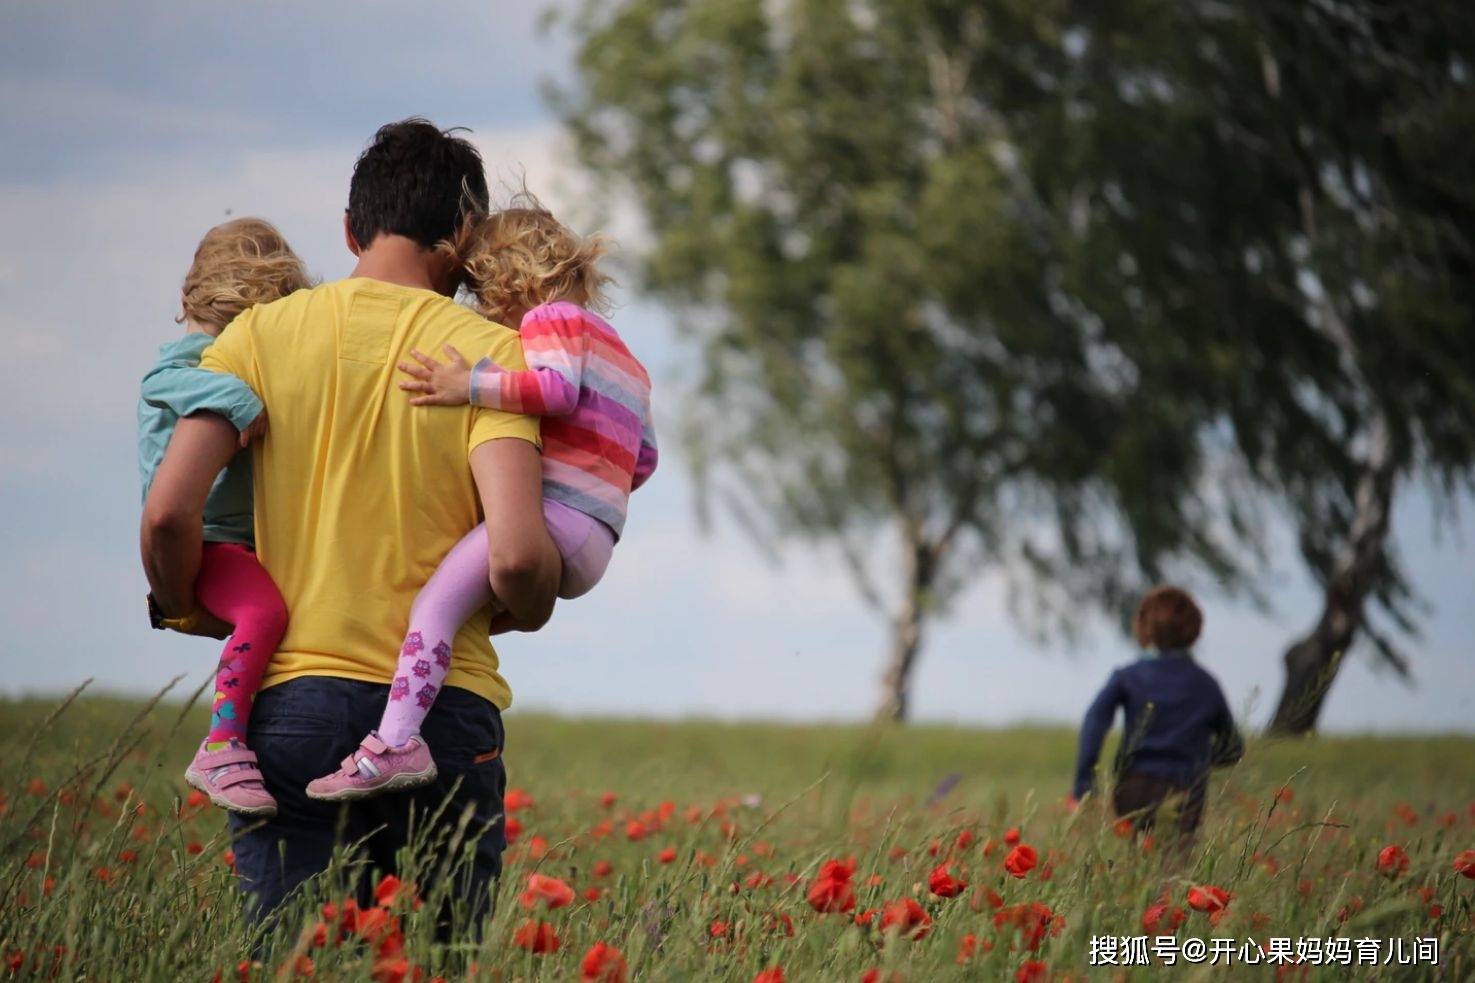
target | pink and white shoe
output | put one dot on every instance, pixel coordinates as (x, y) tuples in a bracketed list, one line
[(376, 767), (231, 779)]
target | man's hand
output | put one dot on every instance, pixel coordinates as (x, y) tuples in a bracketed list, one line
[(208, 626), (504, 622), (255, 430), (441, 385)]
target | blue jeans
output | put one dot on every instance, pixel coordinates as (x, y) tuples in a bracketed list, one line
[(303, 728)]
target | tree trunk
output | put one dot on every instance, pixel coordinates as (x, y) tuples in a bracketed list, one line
[(906, 642), (920, 562), (1312, 663)]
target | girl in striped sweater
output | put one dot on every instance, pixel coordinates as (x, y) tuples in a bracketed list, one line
[(524, 268)]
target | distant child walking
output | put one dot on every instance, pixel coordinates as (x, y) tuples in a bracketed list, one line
[(1177, 722), (524, 268), (237, 265)]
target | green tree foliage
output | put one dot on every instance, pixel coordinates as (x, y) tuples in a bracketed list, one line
[(1062, 289)]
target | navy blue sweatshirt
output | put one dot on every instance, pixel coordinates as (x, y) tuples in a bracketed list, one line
[(1178, 724)]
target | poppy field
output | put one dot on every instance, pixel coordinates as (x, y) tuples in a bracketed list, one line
[(765, 853)]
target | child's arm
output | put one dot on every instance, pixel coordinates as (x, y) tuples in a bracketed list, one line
[(1093, 732), (187, 389), (556, 346), (646, 462)]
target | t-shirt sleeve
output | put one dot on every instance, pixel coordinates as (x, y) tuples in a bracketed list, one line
[(234, 352), (488, 424)]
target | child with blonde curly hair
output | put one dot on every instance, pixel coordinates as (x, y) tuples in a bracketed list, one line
[(237, 265), (524, 268)]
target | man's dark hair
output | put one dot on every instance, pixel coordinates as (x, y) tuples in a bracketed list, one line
[(415, 180)]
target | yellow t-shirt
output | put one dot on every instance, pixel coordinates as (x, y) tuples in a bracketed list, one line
[(358, 494)]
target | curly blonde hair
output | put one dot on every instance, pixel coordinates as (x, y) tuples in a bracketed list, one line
[(237, 265), (521, 256)]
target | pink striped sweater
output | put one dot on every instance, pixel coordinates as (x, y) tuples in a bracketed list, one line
[(594, 397)]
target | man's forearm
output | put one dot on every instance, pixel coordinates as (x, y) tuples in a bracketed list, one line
[(171, 534), (171, 562), (528, 590)]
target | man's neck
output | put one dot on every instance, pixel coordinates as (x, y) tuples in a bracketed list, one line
[(397, 259)]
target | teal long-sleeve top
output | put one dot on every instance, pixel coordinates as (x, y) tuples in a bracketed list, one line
[(176, 387)]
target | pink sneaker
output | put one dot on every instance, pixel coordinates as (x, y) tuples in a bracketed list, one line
[(232, 781), (376, 767)]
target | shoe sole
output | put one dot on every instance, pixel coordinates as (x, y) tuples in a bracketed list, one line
[(198, 782), (397, 783)]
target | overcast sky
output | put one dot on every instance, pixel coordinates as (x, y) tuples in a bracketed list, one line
[(127, 130)]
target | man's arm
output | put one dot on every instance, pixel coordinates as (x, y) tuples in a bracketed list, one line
[(173, 514), (524, 566)]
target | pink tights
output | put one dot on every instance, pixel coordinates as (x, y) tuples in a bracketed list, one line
[(457, 590), (235, 587)]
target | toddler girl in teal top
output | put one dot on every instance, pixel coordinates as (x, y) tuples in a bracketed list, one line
[(237, 265)]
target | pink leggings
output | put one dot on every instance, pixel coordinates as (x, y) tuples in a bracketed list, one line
[(235, 587), (458, 589)]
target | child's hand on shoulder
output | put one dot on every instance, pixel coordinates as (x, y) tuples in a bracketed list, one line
[(439, 384)]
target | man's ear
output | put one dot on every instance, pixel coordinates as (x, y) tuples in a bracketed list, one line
[(353, 244)]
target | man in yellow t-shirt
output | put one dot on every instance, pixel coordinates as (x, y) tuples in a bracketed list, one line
[(358, 496)]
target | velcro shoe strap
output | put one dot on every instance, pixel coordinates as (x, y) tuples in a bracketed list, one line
[(226, 756)]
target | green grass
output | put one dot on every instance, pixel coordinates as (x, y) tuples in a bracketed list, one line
[(106, 874)]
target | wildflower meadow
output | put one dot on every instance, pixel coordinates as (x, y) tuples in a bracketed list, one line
[(752, 852)]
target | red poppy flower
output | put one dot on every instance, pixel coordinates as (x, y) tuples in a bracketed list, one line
[(773, 974), (1011, 836), (875, 975), (387, 890), (1465, 864), (603, 963), (964, 840), (1021, 860), (635, 830), (551, 891), (603, 868), (779, 923), (1392, 860), (832, 889), (516, 799), (943, 884), (907, 917), (1162, 918), (536, 937), (718, 929), (514, 830), (607, 800), (1032, 920), (667, 855), (1032, 971), (1208, 898)]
